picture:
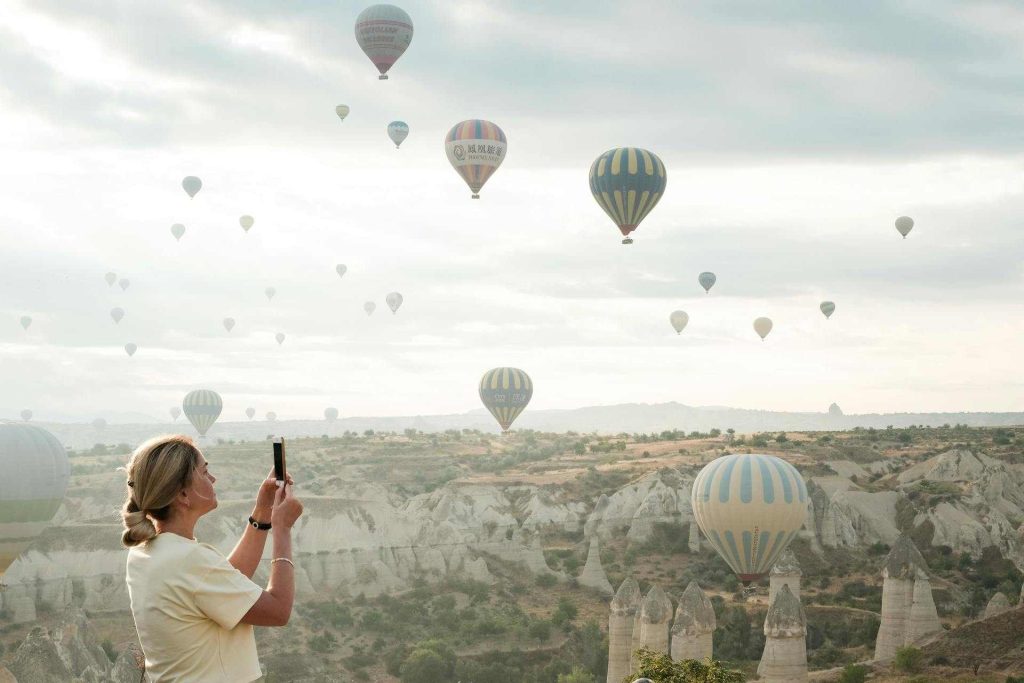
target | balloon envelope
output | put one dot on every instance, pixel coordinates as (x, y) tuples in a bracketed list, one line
[(202, 408), (271, 416), (763, 326), (749, 506), (828, 308), (124, 282), (250, 412), (627, 182), (369, 307), (341, 269), (505, 392), (280, 338), (192, 185), (678, 320), (707, 280), (246, 222), (229, 324), (904, 224), (117, 314), (111, 278), (475, 150), (394, 300), (26, 415), (398, 131), (29, 500), (25, 322), (331, 413), (342, 111), (177, 230), (175, 412), (270, 292), (130, 349), (384, 33)]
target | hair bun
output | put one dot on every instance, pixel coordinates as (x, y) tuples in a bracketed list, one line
[(138, 528)]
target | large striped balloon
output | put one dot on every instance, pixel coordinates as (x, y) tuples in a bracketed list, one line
[(384, 33), (475, 149), (202, 408), (37, 474), (505, 392), (627, 183), (749, 507)]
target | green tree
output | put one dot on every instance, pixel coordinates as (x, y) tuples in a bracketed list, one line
[(661, 669), (430, 662), (908, 660), (853, 673), (577, 675)]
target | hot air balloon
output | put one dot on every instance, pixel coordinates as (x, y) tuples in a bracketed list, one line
[(270, 292), (117, 313), (123, 282), (202, 408), (369, 307), (32, 494), (280, 338), (341, 269), (707, 280), (25, 322), (627, 183), (384, 33), (763, 326), (828, 308), (904, 224), (271, 416), (246, 222), (342, 111), (192, 185), (505, 392), (749, 506), (111, 278), (250, 412), (475, 149), (330, 414), (398, 131), (229, 324), (130, 349), (177, 230), (678, 320), (394, 300), (26, 415), (175, 413), (99, 424)]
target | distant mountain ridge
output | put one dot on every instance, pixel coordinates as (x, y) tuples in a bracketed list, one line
[(627, 417)]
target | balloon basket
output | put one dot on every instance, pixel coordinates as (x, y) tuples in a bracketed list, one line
[(627, 240), (382, 77), (475, 196)]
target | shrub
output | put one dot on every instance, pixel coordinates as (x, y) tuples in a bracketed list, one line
[(908, 660), (546, 580), (853, 673)]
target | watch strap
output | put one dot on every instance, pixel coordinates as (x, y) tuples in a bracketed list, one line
[(258, 525)]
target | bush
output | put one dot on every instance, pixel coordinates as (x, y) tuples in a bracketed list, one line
[(908, 660), (540, 630), (853, 673), (546, 580)]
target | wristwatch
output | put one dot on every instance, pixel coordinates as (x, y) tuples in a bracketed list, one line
[(258, 525)]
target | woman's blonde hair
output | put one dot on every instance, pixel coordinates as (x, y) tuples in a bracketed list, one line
[(157, 472)]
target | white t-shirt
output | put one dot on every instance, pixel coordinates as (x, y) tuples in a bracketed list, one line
[(187, 601)]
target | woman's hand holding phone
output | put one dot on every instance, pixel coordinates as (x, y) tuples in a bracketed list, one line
[(287, 508)]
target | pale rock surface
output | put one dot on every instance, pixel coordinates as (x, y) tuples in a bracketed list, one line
[(623, 612), (997, 605), (694, 625), (908, 609), (785, 652), (593, 575), (662, 496), (924, 617), (655, 619), (848, 469), (785, 572)]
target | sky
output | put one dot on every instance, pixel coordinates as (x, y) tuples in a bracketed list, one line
[(793, 133)]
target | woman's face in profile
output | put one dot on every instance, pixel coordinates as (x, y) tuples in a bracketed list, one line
[(201, 492)]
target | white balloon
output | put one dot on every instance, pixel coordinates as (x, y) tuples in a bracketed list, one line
[(26, 415), (192, 185), (229, 324), (177, 230), (25, 321), (175, 412), (341, 269), (270, 292), (904, 224), (246, 222), (369, 307), (130, 349), (279, 337), (331, 414), (250, 412), (117, 314), (679, 319), (271, 416), (394, 300), (124, 283), (342, 111), (763, 326), (111, 278)]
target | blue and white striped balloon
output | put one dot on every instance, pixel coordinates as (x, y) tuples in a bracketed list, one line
[(750, 507)]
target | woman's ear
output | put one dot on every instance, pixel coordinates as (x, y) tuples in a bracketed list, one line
[(183, 498)]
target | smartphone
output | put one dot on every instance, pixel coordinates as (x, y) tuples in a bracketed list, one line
[(280, 471)]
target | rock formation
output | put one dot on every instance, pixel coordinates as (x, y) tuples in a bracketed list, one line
[(693, 541), (593, 575), (785, 650), (624, 608), (835, 411), (908, 610), (693, 626), (785, 572), (997, 605), (655, 619)]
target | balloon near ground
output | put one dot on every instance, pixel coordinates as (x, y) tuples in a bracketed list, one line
[(475, 149), (749, 506), (177, 230), (342, 111), (505, 392), (678, 319), (330, 414), (246, 222), (202, 408), (707, 280), (398, 131), (271, 416), (763, 326), (25, 321), (384, 33), (250, 412), (827, 308), (627, 182), (29, 500), (394, 301), (904, 224), (26, 415), (191, 185)]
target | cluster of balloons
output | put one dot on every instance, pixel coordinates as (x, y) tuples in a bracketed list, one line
[(202, 407)]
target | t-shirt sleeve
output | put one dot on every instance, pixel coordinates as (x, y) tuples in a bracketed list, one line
[(222, 593)]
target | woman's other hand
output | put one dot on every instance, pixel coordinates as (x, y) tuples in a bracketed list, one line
[(287, 508), (265, 496)]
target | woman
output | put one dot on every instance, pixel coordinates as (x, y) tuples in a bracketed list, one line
[(194, 608)]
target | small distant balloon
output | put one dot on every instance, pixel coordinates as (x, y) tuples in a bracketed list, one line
[(341, 269), (763, 326), (394, 300), (250, 412), (117, 314), (202, 408), (124, 282), (342, 111), (904, 224), (398, 131), (475, 149), (246, 222), (192, 185), (229, 324), (280, 338), (384, 33), (26, 321), (271, 416), (99, 424), (828, 308), (175, 412), (707, 280), (26, 415), (111, 278), (177, 230), (679, 320), (130, 349), (330, 414), (270, 292), (369, 307), (505, 392)]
